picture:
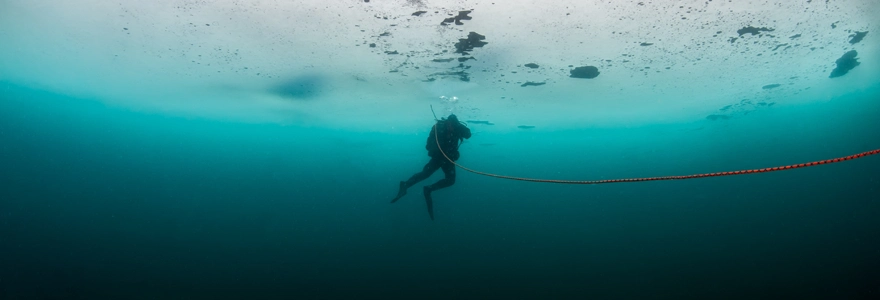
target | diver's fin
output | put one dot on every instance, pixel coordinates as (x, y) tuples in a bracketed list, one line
[(429, 201), (401, 192)]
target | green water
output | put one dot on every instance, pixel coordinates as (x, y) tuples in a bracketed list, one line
[(101, 202)]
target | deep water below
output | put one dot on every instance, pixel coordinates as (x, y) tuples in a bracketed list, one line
[(100, 202)]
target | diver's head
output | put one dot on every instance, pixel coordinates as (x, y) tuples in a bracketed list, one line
[(452, 117)]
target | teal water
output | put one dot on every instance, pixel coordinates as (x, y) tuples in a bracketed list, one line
[(100, 202)]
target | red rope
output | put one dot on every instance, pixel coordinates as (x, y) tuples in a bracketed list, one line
[(731, 173)]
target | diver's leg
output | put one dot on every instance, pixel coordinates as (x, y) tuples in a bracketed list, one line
[(449, 171), (426, 172)]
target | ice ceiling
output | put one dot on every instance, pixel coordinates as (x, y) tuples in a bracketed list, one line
[(380, 63)]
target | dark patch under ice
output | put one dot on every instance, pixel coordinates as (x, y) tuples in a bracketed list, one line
[(857, 37), (480, 122), (743, 107), (302, 87), (781, 45), (753, 30), (461, 75), (473, 40), (845, 63), (532, 83), (462, 15), (588, 72)]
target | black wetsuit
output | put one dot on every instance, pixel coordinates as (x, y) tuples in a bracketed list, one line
[(451, 133)]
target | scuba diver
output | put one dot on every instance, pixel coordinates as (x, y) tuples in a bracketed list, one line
[(448, 133)]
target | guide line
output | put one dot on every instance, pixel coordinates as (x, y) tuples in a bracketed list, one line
[(692, 176)]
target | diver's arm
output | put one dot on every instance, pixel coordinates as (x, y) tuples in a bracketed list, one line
[(465, 132)]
